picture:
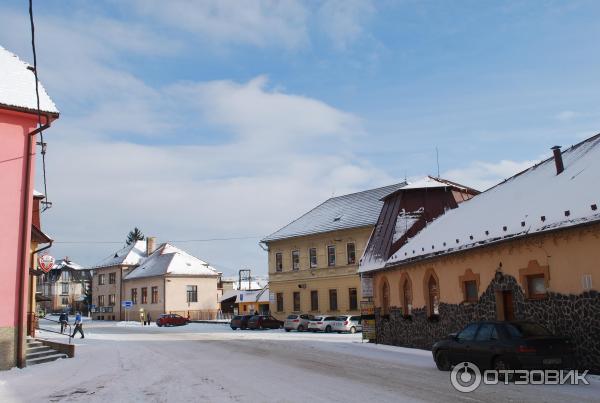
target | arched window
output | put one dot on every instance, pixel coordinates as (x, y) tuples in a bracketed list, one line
[(406, 293), (433, 296), (385, 297)]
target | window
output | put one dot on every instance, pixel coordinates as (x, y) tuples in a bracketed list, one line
[(101, 279), (314, 300), (134, 295), (154, 295), (112, 278), (433, 296), (100, 300), (407, 297), (278, 262), (487, 332), (470, 290), (192, 293), (66, 276), (279, 298), (385, 297), (331, 255), (353, 299), (312, 253), (295, 260), (65, 288), (333, 306), (468, 333), (144, 295), (536, 286), (296, 301), (65, 300), (351, 253), (111, 299)]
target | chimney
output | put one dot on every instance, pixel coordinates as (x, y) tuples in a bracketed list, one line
[(558, 159), (150, 245)]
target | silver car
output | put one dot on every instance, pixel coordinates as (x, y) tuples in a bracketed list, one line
[(347, 323), (322, 324), (297, 322)]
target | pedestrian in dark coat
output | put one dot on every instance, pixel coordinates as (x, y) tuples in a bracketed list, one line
[(78, 325), (64, 320), (148, 319)]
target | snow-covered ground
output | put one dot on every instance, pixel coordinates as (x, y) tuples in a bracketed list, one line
[(118, 362)]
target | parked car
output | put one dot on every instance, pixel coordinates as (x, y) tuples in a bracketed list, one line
[(264, 322), (504, 345), (240, 322), (347, 323), (322, 324), (171, 319), (297, 322)]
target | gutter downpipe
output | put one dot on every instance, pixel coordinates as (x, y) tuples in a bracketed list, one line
[(24, 253)]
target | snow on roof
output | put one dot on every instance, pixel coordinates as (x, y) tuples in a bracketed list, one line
[(38, 194), (168, 259), (349, 211), (427, 182), (67, 264), (533, 201), (17, 85), (129, 255)]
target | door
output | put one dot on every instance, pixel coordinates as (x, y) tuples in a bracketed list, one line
[(505, 305), (461, 349)]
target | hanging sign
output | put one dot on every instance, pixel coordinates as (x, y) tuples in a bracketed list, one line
[(366, 287), (46, 262)]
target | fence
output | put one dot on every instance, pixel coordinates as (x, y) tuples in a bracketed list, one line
[(207, 314)]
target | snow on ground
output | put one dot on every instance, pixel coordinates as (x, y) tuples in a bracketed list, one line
[(211, 363)]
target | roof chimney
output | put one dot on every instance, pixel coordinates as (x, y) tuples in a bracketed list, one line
[(558, 159), (150, 245)]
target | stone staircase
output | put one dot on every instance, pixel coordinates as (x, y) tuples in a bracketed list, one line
[(37, 353)]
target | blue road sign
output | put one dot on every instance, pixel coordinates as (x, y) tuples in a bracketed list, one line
[(127, 304), (92, 306)]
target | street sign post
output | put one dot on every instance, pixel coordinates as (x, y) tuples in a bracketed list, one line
[(127, 305)]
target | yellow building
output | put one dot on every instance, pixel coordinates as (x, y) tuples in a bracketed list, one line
[(313, 261), (526, 249)]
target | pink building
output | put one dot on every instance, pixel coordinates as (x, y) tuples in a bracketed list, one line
[(18, 136)]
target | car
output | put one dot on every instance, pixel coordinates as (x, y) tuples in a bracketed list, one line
[(322, 324), (347, 323), (171, 319), (240, 322), (504, 345), (264, 322), (297, 322)]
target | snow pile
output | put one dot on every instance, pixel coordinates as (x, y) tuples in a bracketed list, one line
[(17, 85), (533, 201)]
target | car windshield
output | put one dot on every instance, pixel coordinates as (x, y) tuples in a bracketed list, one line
[(518, 330), (292, 316), (317, 318)]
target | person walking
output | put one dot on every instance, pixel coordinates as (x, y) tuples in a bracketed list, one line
[(148, 319), (64, 321), (78, 326)]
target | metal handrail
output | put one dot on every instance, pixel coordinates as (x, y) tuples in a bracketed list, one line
[(54, 331)]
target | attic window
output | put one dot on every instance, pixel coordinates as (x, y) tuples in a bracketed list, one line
[(337, 218), (188, 263), (116, 255), (594, 207)]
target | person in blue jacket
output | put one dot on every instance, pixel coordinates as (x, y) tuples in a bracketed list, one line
[(78, 325)]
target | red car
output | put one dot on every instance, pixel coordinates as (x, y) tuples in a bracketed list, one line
[(171, 319)]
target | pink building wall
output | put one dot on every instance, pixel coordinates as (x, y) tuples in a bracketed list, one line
[(14, 131)]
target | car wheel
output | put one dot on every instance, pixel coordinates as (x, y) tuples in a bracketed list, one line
[(352, 330), (158, 324), (300, 328), (339, 332), (328, 329), (442, 362), (287, 330), (233, 328)]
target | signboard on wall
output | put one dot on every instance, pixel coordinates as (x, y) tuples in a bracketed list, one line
[(366, 286), (367, 313), (46, 262)]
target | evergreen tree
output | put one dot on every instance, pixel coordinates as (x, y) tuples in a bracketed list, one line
[(134, 236)]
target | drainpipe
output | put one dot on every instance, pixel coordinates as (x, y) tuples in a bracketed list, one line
[(24, 255)]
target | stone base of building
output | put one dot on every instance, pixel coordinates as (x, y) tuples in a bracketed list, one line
[(8, 347), (573, 316)]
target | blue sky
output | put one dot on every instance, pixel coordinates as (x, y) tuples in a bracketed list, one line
[(214, 119)]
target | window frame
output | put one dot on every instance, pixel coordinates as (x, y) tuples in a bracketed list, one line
[(134, 295), (314, 300), (295, 260), (102, 279), (529, 281), (330, 255), (112, 278), (278, 262), (296, 301), (191, 294), (279, 301), (100, 300), (312, 252), (154, 295), (112, 299), (333, 297), (353, 261), (144, 296)]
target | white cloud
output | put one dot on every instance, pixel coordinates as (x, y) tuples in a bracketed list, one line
[(483, 175), (566, 116), (343, 20)]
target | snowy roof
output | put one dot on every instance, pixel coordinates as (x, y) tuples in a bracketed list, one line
[(343, 212), (17, 85), (533, 201), (38, 194), (129, 255), (168, 259), (67, 264), (430, 182)]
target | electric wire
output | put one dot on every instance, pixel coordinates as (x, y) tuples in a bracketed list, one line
[(174, 241)]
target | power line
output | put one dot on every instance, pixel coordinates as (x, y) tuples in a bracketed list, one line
[(174, 241)]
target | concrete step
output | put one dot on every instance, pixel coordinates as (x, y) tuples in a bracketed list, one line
[(49, 358), (33, 343), (41, 353), (36, 349)]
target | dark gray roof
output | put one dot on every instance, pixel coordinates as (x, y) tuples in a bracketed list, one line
[(343, 212)]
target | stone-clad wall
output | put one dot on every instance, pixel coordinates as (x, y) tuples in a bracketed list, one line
[(574, 316)]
